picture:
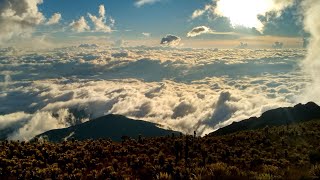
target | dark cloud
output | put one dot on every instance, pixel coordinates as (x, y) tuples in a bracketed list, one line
[(289, 23), (243, 45), (198, 31), (170, 40), (88, 46), (183, 109), (277, 45)]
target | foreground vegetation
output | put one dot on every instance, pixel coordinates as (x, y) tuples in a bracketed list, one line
[(285, 152)]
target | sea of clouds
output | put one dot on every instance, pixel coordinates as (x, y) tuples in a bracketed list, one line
[(181, 89)]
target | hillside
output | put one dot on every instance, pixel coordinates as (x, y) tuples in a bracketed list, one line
[(282, 152), (109, 126), (116, 126), (275, 117)]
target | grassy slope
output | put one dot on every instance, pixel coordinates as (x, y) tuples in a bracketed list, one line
[(272, 153)]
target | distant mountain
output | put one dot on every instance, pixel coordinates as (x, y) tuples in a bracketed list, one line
[(275, 117), (109, 126)]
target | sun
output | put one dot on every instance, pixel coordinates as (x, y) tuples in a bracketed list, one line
[(243, 13)]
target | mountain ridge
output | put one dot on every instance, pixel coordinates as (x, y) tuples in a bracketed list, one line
[(275, 117), (109, 126)]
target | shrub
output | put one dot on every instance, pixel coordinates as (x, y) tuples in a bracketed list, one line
[(315, 171), (314, 157)]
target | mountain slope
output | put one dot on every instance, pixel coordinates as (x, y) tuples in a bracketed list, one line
[(275, 117), (109, 126), (282, 152)]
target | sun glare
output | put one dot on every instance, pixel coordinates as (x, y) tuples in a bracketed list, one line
[(243, 13)]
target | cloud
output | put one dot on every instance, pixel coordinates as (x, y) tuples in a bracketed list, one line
[(36, 125), (277, 45), (8, 120), (248, 16), (102, 11), (100, 22), (146, 34), (184, 89), (311, 64), (55, 18), (120, 54), (140, 3), (88, 46), (80, 26), (200, 12), (19, 18), (120, 43), (198, 31), (170, 40)]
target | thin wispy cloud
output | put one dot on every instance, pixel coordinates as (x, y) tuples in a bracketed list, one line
[(140, 3), (146, 34)]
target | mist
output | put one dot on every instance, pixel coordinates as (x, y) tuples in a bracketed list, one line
[(311, 64)]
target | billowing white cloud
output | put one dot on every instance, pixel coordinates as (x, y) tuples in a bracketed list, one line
[(187, 90), (198, 31), (80, 26), (102, 11), (55, 18), (247, 16), (140, 3), (100, 22), (18, 18), (36, 124), (311, 64), (170, 40)]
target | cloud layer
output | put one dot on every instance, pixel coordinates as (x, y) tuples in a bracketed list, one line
[(183, 89)]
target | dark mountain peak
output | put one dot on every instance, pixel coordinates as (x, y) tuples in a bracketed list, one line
[(110, 126), (312, 105), (275, 117)]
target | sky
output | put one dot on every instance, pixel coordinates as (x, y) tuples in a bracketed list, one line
[(146, 22)]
